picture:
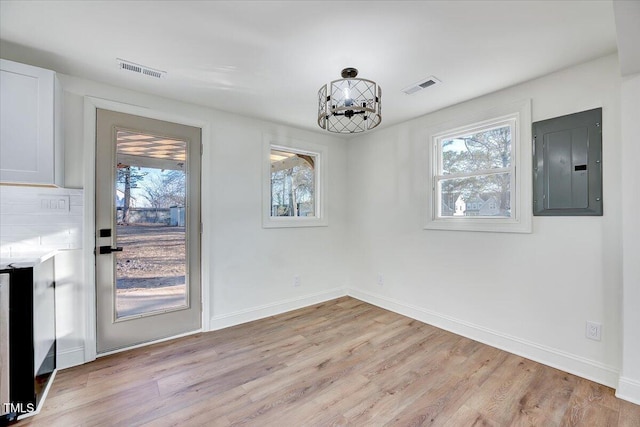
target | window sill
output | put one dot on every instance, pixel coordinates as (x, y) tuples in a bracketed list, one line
[(293, 222), (482, 225)]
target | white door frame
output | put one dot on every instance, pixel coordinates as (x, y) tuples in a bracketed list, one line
[(90, 106)]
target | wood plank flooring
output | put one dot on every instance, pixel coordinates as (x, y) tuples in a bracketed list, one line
[(343, 363)]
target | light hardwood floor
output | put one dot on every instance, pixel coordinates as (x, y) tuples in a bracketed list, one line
[(343, 362)]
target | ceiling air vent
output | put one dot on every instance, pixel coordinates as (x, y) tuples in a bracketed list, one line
[(422, 84), (140, 69)]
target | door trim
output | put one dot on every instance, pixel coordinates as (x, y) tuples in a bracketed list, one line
[(91, 104)]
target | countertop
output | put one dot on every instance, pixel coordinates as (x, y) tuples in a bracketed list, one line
[(25, 260)]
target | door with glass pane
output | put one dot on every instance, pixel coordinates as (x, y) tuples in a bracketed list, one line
[(147, 230)]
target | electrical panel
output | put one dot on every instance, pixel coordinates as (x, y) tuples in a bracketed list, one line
[(567, 165)]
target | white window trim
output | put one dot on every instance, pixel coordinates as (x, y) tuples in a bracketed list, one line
[(321, 183), (521, 219)]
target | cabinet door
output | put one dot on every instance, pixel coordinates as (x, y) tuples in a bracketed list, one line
[(28, 143), (44, 318)]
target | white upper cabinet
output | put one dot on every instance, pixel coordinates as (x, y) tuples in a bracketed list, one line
[(31, 146)]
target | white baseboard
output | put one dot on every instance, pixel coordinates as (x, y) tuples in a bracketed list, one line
[(629, 390), (260, 312), (577, 365), (146, 343), (69, 357)]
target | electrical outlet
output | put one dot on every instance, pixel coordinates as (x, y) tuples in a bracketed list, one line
[(296, 281), (594, 331), (58, 204), (380, 279)]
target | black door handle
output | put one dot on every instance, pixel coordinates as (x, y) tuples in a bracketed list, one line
[(109, 249)]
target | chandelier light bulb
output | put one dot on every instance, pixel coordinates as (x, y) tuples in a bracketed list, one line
[(347, 97)]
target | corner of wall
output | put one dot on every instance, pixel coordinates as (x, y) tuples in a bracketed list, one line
[(628, 390), (268, 310)]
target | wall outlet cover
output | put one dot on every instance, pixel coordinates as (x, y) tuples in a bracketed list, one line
[(594, 331)]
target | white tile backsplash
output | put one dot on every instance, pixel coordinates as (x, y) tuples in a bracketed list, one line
[(39, 219)]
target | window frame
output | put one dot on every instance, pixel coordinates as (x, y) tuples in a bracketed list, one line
[(440, 176), (519, 119), (319, 152)]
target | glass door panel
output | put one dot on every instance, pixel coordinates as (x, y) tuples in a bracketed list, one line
[(150, 225)]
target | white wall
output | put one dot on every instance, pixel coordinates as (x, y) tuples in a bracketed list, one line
[(528, 293), (629, 385), (248, 270), (253, 267)]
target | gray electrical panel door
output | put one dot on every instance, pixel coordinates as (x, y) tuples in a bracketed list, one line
[(567, 165)]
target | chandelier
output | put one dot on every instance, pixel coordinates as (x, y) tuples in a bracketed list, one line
[(349, 105)]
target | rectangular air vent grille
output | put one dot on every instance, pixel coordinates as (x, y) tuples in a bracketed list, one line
[(140, 69), (426, 84), (152, 73), (422, 84)]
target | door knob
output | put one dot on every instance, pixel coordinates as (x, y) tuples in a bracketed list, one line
[(109, 249)]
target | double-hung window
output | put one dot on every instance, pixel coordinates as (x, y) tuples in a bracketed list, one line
[(476, 178)]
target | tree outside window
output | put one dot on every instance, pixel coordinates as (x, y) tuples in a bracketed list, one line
[(475, 171), (293, 183)]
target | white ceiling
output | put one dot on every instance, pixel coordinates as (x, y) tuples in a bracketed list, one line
[(267, 59)]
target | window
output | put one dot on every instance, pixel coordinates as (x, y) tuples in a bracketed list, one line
[(293, 184), (475, 166), (477, 177), (293, 181)]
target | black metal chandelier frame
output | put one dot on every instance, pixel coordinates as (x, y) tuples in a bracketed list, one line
[(350, 104)]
